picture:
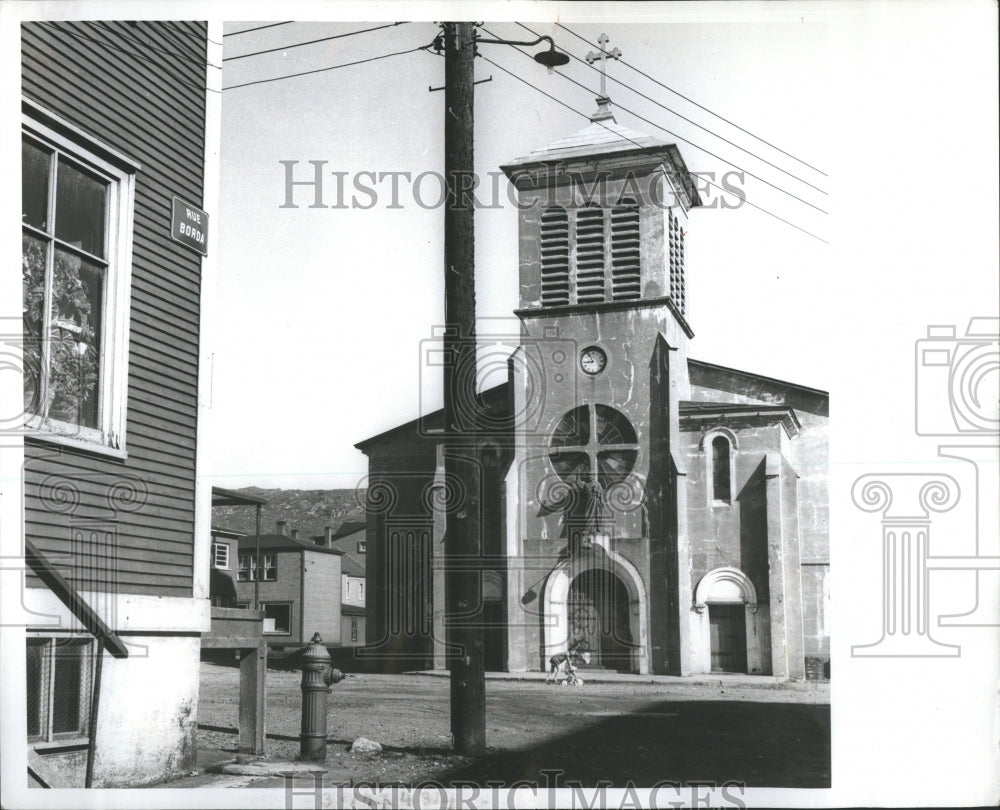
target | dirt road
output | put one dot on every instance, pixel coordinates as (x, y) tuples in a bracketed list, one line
[(616, 732)]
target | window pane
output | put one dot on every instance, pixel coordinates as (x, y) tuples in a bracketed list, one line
[(720, 469), (80, 208), (281, 614), (36, 688), (572, 467), (75, 340), (34, 185), (613, 466), (66, 690), (32, 304), (573, 429)]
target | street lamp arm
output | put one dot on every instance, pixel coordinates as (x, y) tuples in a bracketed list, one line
[(526, 43), (550, 58)]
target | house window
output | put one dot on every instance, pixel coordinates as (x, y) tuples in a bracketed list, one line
[(59, 684), (76, 235), (278, 618), (721, 490), (354, 629), (249, 567), (362, 546), (361, 590), (220, 555)]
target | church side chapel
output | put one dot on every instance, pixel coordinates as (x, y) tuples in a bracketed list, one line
[(665, 514)]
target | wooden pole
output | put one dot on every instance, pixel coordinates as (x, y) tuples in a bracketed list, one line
[(95, 703), (461, 460)]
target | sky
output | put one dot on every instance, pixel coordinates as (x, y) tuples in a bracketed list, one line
[(323, 312)]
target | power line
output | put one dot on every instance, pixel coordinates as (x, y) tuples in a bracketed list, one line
[(131, 37), (681, 138), (331, 67), (699, 106), (685, 118), (112, 46), (258, 28), (625, 137), (311, 42)]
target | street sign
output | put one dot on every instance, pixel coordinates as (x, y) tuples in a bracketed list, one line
[(189, 226)]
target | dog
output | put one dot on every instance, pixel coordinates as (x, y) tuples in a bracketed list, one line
[(565, 663)]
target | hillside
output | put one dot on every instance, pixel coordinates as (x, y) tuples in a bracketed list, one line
[(307, 510)]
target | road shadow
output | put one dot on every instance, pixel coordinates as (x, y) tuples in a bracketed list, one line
[(756, 744)]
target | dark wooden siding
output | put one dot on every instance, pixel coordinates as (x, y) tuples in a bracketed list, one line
[(138, 88)]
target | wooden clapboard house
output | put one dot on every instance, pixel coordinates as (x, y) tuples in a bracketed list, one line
[(120, 141)]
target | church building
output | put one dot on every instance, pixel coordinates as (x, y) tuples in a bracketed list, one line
[(666, 514)]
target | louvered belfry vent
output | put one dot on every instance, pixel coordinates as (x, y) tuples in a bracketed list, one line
[(555, 256), (676, 235), (625, 250), (590, 254)]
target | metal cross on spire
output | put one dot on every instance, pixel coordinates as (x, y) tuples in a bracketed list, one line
[(603, 54)]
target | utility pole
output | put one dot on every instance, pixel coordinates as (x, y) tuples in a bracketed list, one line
[(463, 527), (462, 457)]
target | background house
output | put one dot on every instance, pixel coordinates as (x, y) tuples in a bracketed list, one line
[(107, 472), (350, 540), (223, 562), (298, 585)]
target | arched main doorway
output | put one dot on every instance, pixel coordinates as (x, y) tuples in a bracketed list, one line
[(598, 616), (630, 610)]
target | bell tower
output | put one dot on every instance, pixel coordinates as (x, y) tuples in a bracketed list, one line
[(596, 384)]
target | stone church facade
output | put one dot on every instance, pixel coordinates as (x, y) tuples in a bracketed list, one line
[(667, 514)]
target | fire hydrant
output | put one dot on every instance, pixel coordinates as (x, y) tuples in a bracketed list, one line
[(317, 677)]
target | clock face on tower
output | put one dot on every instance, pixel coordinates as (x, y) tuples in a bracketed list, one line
[(593, 360)]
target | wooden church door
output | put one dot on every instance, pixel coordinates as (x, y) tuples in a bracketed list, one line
[(584, 621), (727, 625)]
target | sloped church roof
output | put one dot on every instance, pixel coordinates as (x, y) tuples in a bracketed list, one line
[(605, 137)]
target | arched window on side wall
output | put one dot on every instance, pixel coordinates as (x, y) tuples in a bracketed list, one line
[(721, 479)]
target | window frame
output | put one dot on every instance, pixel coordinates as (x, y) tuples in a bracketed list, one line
[(287, 605), (250, 568), (42, 127), (216, 546), (707, 446), (49, 738), (254, 566)]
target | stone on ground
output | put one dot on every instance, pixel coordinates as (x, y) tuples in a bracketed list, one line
[(362, 745)]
